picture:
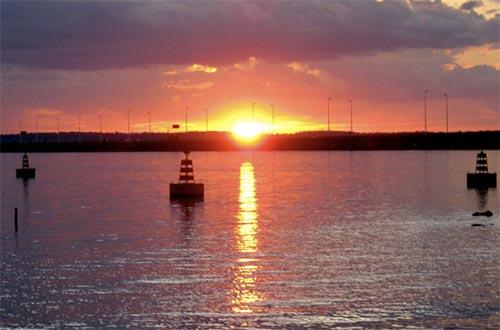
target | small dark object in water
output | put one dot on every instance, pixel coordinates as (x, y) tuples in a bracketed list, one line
[(15, 220), (26, 172), (487, 213), (477, 225)]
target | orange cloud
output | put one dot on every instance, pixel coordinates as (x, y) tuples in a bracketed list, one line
[(201, 68), (304, 68), (185, 84), (481, 55), (249, 64), (170, 73)]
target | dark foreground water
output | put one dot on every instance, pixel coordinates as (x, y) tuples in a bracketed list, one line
[(283, 239)]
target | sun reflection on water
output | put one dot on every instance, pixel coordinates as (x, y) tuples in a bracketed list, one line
[(247, 217), (244, 292)]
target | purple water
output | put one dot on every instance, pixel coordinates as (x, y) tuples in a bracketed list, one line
[(282, 239)]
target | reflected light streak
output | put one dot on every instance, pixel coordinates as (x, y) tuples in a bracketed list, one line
[(247, 217), (244, 292)]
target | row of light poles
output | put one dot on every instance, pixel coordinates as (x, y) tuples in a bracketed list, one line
[(58, 120), (58, 128), (425, 110), (186, 119), (272, 114), (80, 126), (100, 125), (253, 119), (329, 100), (128, 125)]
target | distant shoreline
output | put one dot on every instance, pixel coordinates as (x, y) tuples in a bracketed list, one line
[(224, 141)]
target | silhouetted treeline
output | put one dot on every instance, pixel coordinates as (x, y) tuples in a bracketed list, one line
[(222, 141)]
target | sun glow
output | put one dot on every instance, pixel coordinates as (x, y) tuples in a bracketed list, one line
[(248, 131)]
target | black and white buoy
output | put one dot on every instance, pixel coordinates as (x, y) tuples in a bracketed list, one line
[(26, 172), (481, 178), (186, 188)]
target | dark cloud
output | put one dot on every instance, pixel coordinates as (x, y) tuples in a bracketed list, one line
[(471, 5), (109, 34), (405, 75)]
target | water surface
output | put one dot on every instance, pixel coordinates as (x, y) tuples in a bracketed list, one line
[(282, 239)]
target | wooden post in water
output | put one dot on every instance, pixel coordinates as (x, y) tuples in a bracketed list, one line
[(15, 219)]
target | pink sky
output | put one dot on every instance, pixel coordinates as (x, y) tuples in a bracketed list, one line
[(65, 60)]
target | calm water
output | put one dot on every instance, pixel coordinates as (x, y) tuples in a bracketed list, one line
[(283, 239)]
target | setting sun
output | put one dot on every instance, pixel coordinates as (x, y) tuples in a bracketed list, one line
[(248, 131)]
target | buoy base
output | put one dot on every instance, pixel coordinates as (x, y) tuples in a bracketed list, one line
[(186, 190), (481, 180), (25, 173)]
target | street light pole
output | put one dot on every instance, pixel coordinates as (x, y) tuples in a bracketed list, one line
[(350, 101), (206, 119), (58, 129), (36, 129), (446, 104), (186, 120), (329, 99), (100, 125), (149, 115), (425, 110), (79, 129), (20, 132), (128, 124), (272, 106)]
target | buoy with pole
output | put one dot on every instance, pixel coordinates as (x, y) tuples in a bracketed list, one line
[(481, 178), (26, 172), (187, 187)]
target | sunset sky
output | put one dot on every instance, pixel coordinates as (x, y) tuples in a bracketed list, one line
[(65, 59)]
